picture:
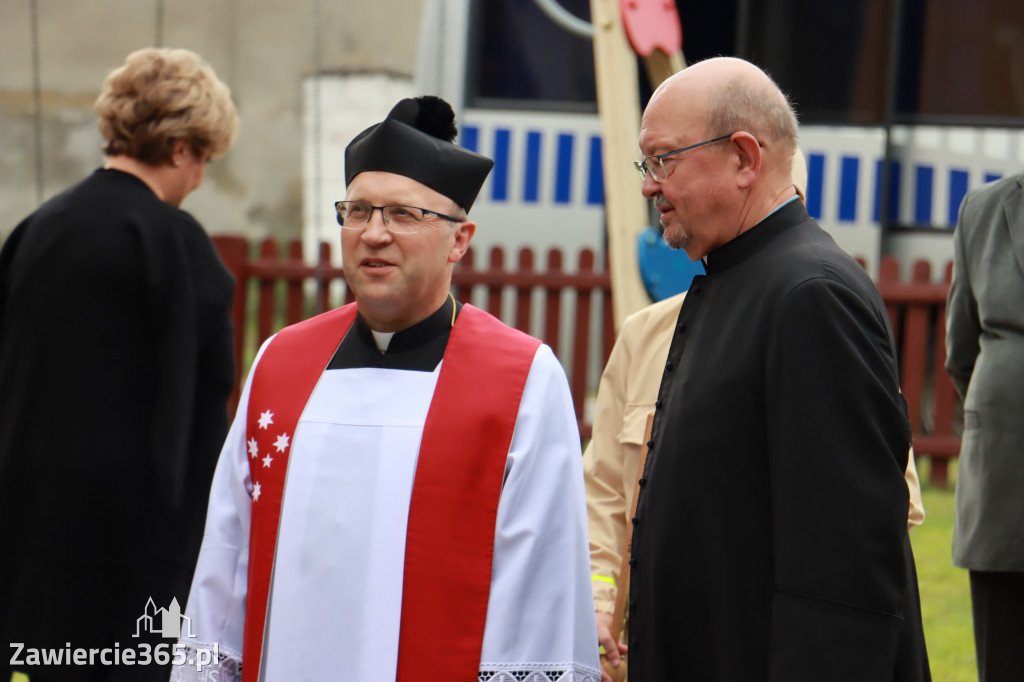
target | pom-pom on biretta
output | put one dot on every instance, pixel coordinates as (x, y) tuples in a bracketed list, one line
[(436, 118), (416, 140)]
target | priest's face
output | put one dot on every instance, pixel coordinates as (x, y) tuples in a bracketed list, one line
[(691, 198), (400, 279)]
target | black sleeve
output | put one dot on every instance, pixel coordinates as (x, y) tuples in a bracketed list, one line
[(838, 442)]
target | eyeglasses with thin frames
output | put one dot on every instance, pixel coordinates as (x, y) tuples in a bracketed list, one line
[(654, 165), (400, 219)]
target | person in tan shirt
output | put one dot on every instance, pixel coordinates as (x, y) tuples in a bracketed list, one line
[(625, 396)]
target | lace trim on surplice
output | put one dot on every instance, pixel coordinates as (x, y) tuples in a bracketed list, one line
[(538, 672)]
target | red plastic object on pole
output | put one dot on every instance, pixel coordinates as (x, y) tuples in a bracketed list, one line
[(651, 24)]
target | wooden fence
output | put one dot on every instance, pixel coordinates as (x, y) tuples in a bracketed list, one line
[(571, 311), (917, 311)]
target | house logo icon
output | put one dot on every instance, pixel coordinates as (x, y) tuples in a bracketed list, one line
[(164, 622)]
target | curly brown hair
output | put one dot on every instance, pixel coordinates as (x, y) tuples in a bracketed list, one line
[(162, 95)]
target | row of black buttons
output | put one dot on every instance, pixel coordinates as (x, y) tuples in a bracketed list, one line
[(634, 644)]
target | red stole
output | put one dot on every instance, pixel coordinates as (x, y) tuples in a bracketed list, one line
[(454, 505)]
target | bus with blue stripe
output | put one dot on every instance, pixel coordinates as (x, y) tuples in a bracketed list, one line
[(893, 139)]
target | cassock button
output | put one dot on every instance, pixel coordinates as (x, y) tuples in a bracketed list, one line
[(658, 404), (643, 482), (681, 327), (668, 366), (650, 444), (636, 520), (695, 289), (632, 562)]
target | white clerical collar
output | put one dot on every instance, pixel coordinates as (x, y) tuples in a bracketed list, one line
[(383, 339)]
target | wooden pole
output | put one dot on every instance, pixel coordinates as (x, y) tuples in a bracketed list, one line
[(625, 208)]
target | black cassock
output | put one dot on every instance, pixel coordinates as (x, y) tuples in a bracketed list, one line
[(770, 536), (116, 365)]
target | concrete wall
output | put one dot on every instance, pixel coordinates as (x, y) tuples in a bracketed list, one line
[(263, 49)]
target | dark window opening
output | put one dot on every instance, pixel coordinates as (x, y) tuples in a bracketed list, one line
[(955, 63), (519, 58)]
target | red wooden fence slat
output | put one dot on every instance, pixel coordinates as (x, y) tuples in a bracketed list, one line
[(294, 299), (266, 274), (889, 274), (494, 288), (944, 396), (553, 304), (524, 291), (607, 317), (464, 292), (323, 281), (581, 344), (912, 364)]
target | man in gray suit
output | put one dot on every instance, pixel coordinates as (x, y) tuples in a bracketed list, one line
[(985, 358)]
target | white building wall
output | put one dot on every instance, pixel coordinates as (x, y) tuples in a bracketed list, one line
[(263, 50)]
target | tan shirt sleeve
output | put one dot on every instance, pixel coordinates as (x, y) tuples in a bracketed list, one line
[(625, 396), (606, 463)]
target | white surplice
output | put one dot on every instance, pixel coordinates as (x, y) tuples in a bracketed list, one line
[(336, 592)]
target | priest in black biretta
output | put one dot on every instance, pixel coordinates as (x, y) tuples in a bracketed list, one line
[(417, 140), (434, 483)]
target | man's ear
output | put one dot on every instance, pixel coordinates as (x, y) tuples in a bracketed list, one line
[(748, 154), (463, 235)]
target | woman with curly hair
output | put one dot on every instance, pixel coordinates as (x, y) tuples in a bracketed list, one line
[(115, 370)]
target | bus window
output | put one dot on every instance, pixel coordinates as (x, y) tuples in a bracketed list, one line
[(518, 58), (962, 63)]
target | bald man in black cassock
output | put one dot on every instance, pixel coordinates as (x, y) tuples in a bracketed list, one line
[(780, 400)]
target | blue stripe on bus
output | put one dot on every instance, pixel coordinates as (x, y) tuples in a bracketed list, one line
[(531, 183), (849, 177), (595, 180), (815, 184), (924, 177), (499, 176), (957, 191), (849, 169), (470, 138), (563, 169)]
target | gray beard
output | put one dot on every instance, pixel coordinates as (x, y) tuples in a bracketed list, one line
[(676, 239)]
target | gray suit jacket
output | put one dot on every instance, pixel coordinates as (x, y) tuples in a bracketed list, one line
[(985, 358)]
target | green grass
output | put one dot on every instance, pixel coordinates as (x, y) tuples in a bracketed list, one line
[(945, 589)]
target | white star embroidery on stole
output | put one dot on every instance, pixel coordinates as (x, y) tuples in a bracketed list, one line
[(266, 461), (254, 449), (266, 419), (255, 492), (282, 442)]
